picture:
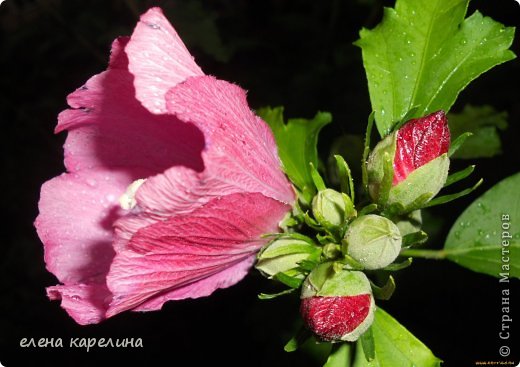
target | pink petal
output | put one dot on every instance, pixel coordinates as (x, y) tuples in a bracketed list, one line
[(202, 288), (86, 304), (108, 127), (77, 211), (158, 59), (240, 147), (180, 256), (418, 142)]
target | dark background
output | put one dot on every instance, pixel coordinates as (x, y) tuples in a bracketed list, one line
[(295, 53)]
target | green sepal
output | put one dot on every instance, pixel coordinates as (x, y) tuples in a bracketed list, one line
[(457, 143), (267, 296), (380, 168), (398, 266), (411, 222), (384, 293), (318, 181), (345, 177), (409, 115), (340, 355), (415, 238), (325, 281), (293, 282), (447, 198), (366, 150), (307, 265), (331, 251), (370, 208), (325, 238), (297, 340), (367, 342), (459, 175), (351, 263), (311, 222)]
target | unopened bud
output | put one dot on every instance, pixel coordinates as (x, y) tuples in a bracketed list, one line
[(330, 208), (417, 162), (284, 254), (337, 306), (373, 241)]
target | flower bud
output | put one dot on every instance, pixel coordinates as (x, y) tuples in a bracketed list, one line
[(373, 241), (419, 161), (284, 254), (337, 306), (330, 208)]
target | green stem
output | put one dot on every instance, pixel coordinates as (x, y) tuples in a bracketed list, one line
[(425, 254)]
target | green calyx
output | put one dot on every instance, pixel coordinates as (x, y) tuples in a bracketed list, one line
[(326, 281)]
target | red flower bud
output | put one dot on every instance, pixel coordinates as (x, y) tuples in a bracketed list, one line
[(337, 305), (410, 166), (331, 318), (418, 142)]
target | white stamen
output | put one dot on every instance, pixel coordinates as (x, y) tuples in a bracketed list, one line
[(127, 200)]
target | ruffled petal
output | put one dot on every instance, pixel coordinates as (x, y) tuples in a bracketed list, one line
[(108, 127), (85, 303), (75, 224), (158, 60), (240, 153), (183, 250)]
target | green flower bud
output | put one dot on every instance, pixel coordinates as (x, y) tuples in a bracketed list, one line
[(284, 254), (330, 208), (373, 241), (337, 306)]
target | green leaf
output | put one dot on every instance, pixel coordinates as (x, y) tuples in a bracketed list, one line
[(394, 346), (424, 53), (476, 240), (483, 122), (339, 355), (296, 141)]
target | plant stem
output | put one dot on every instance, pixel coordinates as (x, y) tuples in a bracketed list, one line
[(425, 254)]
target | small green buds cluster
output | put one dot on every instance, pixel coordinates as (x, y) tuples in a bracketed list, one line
[(344, 245), (373, 241)]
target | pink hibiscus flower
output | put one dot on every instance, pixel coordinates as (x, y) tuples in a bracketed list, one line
[(171, 181)]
